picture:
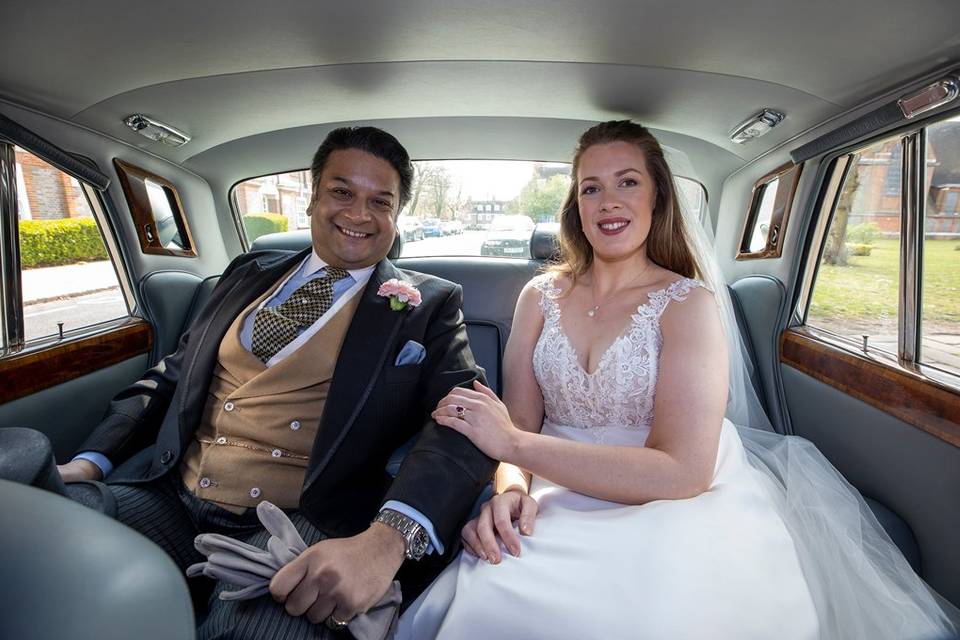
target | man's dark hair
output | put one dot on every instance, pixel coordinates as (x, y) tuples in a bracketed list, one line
[(376, 142)]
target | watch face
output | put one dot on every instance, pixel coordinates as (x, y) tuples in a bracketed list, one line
[(419, 544)]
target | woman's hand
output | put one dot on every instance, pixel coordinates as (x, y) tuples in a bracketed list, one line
[(480, 415), (496, 520)]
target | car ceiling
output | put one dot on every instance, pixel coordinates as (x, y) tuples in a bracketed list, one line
[(249, 81)]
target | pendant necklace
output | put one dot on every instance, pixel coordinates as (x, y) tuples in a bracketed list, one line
[(591, 312)]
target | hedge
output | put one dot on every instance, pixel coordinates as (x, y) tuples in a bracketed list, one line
[(51, 242), (258, 224)]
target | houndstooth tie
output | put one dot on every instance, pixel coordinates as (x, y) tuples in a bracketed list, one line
[(275, 327)]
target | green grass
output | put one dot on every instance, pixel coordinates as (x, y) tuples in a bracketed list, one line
[(867, 287)]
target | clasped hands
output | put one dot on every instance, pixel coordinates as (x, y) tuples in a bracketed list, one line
[(483, 418), (345, 581)]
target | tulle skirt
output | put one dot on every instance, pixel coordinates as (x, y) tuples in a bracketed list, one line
[(780, 547)]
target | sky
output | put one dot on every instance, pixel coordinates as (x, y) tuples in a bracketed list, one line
[(491, 179)]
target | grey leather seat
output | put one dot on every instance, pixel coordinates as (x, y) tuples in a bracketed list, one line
[(62, 578)]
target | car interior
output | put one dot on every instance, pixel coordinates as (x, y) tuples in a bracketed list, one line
[(825, 138)]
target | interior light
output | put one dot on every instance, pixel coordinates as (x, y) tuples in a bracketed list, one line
[(930, 97), (756, 126), (156, 131)]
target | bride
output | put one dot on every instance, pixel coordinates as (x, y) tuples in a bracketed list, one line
[(627, 505)]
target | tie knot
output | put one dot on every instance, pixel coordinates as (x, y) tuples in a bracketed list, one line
[(333, 274)]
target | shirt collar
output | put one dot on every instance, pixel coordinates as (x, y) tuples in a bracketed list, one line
[(315, 263)]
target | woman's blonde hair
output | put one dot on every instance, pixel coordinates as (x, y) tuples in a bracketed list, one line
[(667, 243)]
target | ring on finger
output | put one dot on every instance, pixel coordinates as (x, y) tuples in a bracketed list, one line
[(461, 411), (335, 624)]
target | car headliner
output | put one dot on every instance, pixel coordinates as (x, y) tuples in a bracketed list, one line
[(257, 84)]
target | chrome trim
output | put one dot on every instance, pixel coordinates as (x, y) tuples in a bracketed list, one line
[(156, 130), (824, 216), (113, 248), (932, 96), (756, 126), (911, 234), (11, 293)]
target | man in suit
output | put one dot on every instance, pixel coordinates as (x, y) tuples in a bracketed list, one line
[(294, 385)]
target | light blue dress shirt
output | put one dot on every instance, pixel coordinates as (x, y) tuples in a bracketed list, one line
[(311, 268)]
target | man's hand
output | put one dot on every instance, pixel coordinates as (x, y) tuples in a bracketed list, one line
[(340, 576), (80, 469)]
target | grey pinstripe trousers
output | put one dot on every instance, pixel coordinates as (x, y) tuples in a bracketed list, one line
[(170, 515)]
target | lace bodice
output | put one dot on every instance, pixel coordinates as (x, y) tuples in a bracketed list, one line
[(619, 393)]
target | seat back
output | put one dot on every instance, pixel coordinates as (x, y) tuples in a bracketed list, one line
[(101, 580)]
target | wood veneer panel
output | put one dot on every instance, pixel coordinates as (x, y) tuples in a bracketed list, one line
[(132, 180), (789, 175), (908, 395), (33, 371)]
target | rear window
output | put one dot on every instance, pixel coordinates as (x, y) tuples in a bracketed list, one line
[(456, 208)]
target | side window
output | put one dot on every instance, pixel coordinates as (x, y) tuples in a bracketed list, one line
[(693, 198), (157, 212), (888, 275), (857, 284), (768, 214), (68, 280), (262, 210), (940, 279)]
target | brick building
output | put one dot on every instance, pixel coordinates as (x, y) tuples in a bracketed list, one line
[(287, 194), (877, 199), (46, 193)]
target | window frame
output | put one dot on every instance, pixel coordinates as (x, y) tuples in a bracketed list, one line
[(34, 365), (133, 182), (789, 179), (922, 395)]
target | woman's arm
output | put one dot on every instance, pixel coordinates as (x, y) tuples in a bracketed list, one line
[(524, 402), (680, 454), (521, 393)]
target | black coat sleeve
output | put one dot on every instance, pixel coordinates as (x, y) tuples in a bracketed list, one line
[(133, 417), (444, 472)]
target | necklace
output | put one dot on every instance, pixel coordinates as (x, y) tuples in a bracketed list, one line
[(592, 311)]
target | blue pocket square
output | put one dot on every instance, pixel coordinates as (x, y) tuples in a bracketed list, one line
[(412, 353)]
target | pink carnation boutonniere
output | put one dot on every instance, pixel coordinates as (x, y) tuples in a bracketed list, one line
[(400, 294)]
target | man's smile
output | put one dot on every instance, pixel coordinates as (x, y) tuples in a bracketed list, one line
[(350, 233)]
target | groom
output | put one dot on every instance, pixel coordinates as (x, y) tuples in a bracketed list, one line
[(294, 384)]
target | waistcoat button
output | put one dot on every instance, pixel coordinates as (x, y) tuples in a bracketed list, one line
[(204, 483), (255, 492)]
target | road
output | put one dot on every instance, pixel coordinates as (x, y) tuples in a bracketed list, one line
[(75, 311), (464, 244), (40, 320)]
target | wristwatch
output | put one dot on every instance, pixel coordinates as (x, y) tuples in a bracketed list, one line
[(414, 535)]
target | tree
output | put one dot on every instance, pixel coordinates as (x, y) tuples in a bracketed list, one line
[(835, 252), (430, 191), (541, 198)]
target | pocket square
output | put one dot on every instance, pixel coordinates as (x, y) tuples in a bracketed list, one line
[(412, 353)]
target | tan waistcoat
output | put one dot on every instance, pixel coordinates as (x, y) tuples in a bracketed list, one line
[(259, 424)]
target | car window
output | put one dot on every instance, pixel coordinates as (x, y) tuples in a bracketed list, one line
[(856, 291), (940, 274), (456, 207), (68, 279)]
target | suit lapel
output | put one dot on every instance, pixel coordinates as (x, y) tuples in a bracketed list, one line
[(363, 354), (250, 284)]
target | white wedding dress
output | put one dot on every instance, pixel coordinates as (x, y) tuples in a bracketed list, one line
[(724, 564)]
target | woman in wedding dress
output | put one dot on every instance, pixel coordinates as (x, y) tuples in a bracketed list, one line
[(627, 505)]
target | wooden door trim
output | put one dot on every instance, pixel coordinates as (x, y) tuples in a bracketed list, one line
[(37, 369), (877, 379)]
